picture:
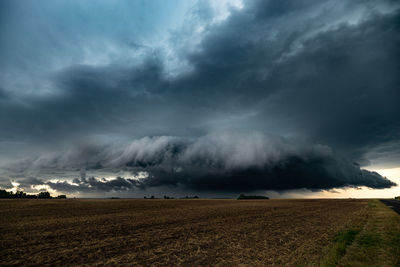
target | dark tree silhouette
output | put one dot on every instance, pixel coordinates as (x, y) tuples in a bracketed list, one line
[(21, 194)]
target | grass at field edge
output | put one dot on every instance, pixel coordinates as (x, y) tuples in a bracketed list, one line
[(371, 240)]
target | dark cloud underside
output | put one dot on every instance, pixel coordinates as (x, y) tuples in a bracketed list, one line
[(322, 74), (219, 162)]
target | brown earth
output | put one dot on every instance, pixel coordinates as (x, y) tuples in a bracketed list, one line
[(171, 232)]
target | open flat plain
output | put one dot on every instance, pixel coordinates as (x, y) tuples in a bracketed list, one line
[(181, 232)]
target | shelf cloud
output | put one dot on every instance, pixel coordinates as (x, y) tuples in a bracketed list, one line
[(236, 97), (216, 162)]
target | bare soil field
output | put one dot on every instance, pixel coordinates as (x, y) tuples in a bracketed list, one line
[(172, 232)]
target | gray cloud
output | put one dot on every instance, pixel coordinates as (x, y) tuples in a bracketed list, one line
[(320, 71), (218, 162)]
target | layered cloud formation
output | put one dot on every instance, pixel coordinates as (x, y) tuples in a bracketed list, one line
[(239, 96), (216, 162)]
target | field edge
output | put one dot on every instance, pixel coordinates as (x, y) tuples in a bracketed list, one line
[(371, 240)]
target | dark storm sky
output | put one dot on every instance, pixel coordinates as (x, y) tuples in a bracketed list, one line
[(216, 96)]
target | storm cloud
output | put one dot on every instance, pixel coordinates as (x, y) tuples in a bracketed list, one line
[(255, 95), (217, 162)]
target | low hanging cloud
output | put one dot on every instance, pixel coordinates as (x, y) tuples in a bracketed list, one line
[(321, 71), (224, 162)]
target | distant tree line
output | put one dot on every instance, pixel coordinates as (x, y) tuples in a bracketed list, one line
[(189, 197), (21, 194), (168, 197), (398, 198), (243, 196)]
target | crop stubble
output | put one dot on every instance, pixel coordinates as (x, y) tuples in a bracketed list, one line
[(170, 232)]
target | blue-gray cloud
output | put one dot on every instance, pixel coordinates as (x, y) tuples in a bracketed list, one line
[(222, 162), (320, 71)]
